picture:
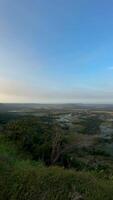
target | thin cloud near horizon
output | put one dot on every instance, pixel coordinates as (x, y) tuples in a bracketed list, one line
[(56, 52), (26, 93)]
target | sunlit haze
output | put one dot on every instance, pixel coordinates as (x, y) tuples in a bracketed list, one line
[(56, 51)]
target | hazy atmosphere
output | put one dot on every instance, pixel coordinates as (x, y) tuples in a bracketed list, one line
[(56, 51), (56, 99)]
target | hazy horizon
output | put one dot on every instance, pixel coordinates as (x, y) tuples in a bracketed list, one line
[(56, 51), (56, 103)]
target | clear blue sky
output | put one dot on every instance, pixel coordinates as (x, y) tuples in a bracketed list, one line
[(56, 51)]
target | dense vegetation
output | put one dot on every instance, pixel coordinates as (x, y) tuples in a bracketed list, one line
[(41, 160)]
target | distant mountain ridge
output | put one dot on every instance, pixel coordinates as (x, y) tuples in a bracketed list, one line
[(5, 107)]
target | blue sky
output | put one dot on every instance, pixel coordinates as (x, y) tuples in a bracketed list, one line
[(56, 51)]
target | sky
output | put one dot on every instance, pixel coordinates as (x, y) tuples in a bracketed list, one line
[(57, 51)]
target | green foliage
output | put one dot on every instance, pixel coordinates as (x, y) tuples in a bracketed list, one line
[(43, 141), (30, 149), (26, 180), (91, 125)]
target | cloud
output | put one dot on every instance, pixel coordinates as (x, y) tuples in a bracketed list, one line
[(15, 91), (110, 68), (38, 57)]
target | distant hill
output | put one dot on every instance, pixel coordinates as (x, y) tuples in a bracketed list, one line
[(6, 107)]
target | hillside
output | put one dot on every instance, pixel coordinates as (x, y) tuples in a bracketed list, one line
[(40, 159)]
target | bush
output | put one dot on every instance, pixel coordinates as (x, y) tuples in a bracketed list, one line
[(28, 180)]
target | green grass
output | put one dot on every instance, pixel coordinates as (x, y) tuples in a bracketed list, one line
[(27, 181), (24, 179)]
